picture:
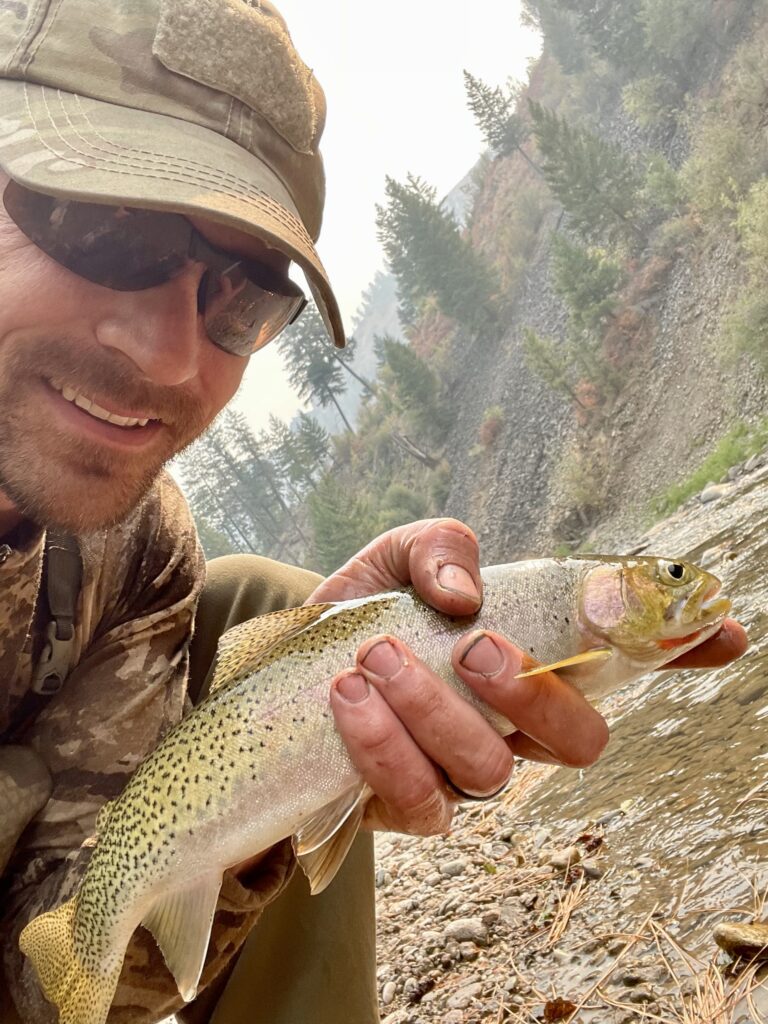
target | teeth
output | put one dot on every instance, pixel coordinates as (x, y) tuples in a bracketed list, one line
[(96, 410)]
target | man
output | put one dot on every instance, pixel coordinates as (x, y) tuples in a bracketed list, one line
[(159, 171)]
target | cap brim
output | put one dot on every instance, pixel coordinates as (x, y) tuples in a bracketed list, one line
[(76, 147)]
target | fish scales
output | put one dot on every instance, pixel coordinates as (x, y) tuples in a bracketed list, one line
[(260, 758)]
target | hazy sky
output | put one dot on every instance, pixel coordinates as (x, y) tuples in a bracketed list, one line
[(392, 75)]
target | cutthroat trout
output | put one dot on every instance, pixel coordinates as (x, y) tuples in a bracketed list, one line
[(260, 759)]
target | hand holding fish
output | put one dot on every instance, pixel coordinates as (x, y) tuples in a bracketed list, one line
[(406, 728)]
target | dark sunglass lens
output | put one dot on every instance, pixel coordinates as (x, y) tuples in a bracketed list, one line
[(117, 247)]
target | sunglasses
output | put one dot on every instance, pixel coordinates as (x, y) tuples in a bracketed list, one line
[(244, 304)]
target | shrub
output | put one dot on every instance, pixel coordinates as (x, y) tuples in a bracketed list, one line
[(651, 101), (745, 327), (752, 223), (490, 428)]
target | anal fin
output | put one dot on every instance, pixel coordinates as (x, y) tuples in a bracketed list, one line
[(181, 923), (322, 842)]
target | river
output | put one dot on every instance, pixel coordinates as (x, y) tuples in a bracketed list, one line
[(688, 757)]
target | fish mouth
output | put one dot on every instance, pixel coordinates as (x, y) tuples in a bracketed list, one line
[(708, 606)]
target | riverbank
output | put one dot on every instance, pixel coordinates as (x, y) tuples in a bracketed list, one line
[(592, 896)]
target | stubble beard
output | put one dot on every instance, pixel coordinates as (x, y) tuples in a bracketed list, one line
[(73, 483)]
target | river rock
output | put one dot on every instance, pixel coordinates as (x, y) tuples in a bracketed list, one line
[(464, 996), (388, 993), (467, 929), (712, 492), (562, 860), (749, 941), (453, 868)]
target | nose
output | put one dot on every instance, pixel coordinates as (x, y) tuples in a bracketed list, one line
[(158, 329)]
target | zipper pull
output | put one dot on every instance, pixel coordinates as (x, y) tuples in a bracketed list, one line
[(5, 553)]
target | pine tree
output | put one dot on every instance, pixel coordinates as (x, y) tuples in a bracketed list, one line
[(342, 523), (561, 32), (614, 31), (416, 387), (498, 118), (313, 368), (429, 257), (595, 180), (588, 280)]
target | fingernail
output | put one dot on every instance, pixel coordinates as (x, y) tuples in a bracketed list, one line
[(383, 660), (483, 656), (457, 580), (353, 688)]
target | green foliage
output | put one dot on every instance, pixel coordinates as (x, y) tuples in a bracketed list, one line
[(652, 100), (729, 144), (490, 428), (561, 33), (215, 544), (440, 487), (745, 326), (674, 28), (721, 167), (614, 31), (236, 491), (429, 256), (510, 228), (310, 359), (752, 224), (496, 115), (400, 505), (740, 443), (566, 366), (588, 280), (663, 190), (415, 387), (342, 523), (596, 181)]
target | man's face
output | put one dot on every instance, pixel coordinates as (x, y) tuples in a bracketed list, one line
[(141, 361)]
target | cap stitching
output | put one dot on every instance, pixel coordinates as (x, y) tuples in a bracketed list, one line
[(150, 155), (178, 172)]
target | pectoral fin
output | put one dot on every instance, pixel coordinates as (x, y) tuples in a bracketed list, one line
[(181, 923), (322, 842), (595, 654)]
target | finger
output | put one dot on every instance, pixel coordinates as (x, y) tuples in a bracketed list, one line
[(410, 791), (728, 643), (445, 726), (523, 746), (440, 557), (546, 708)]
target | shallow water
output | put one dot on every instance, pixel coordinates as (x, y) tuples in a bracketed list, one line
[(688, 747)]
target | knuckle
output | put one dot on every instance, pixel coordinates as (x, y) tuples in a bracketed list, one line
[(490, 774), (426, 813)]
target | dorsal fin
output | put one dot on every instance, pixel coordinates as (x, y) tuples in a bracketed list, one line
[(242, 647)]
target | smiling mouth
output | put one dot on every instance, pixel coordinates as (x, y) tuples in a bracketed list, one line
[(87, 405)]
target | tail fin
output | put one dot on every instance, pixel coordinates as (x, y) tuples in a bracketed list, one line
[(83, 993)]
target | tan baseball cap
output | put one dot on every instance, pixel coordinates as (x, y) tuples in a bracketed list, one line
[(196, 106)]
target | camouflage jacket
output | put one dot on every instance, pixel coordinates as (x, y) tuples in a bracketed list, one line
[(141, 582)]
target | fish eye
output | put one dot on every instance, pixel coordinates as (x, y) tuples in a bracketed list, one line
[(673, 572)]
